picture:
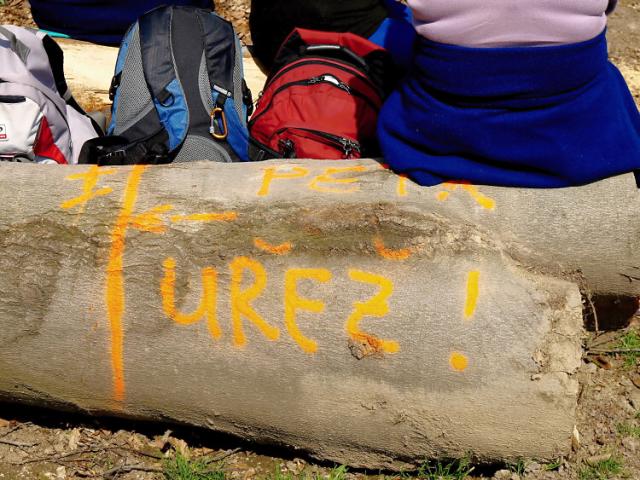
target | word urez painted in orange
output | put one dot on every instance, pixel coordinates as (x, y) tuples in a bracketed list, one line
[(241, 303)]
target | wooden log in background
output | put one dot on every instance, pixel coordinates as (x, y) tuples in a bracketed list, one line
[(89, 69)]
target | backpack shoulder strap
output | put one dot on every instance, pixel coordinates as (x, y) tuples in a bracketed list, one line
[(160, 73), (46, 71), (18, 47), (20, 65), (220, 51), (56, 61), (222, 55)]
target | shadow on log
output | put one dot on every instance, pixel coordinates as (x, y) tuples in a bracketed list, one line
[(330, 306)]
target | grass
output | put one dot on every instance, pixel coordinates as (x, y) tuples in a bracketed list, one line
[(337, 473), (627, 430), (456, 470), (603, 470), (555, 465), (630, 341), (280, 475), (519, 467), (182, 468)]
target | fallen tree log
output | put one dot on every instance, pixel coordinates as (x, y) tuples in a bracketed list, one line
[(331, 306)]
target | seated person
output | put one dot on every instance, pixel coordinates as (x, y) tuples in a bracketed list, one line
[(511, 92), (103, 21), (385, 22)]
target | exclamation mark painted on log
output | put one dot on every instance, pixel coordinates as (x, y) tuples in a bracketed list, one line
[(114, 294), (473, 287), (457, 360)]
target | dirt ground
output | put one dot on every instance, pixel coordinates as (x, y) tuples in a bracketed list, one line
[(42, 444)]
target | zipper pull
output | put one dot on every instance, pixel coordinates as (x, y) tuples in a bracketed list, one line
[(287, 148), (348, 147), (314, 80), (344, 87)]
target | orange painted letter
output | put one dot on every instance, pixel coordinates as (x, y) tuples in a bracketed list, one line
[(271, 173), (293, 303), (327, 177), (241, 300), (376, 306), (207, 307)]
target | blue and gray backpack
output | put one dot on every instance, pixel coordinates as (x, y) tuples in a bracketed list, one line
[(178, 92)]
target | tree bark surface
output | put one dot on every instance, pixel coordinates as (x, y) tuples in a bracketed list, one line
[(330, 306)]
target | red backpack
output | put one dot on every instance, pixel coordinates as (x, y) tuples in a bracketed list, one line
[(322, 100)]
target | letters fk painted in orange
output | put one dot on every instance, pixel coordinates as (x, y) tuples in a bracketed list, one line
[(90, 180)]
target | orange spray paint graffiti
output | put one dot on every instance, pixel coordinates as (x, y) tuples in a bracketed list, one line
[(293, 302), (241, 300), (248, 277), (207, 307), (377, 306), (328, 178), (114, 295), (458, 361), (473, 290), (402, 185), (281, 249), (90, 178), (271, 174), (482, 200), (151, 221), (206, 217), (389, 254)]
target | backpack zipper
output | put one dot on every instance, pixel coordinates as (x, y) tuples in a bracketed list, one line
[(49, 97), (12, 99), (347, 145), (324, 78), (337, 65)]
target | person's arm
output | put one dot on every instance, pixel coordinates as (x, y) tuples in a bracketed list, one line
[(612, 6)]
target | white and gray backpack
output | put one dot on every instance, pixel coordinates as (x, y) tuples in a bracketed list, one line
[(39, 119)]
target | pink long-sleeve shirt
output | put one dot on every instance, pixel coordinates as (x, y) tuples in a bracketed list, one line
[(505, 23)]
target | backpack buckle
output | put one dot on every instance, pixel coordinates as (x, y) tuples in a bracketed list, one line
[(113, 156), (115, 84), (218, 120)]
